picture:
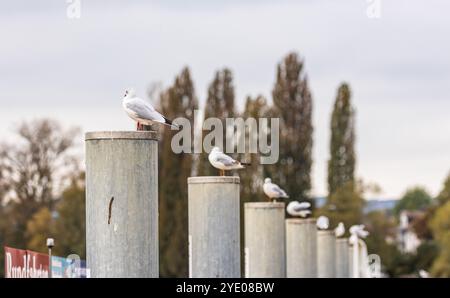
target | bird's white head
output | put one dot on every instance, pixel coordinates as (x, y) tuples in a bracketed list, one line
[(267, 180), (215, 149), (130, 92)]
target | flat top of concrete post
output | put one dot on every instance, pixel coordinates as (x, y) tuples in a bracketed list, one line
[(214, 179), (265, 205), (301, 221), (121, 135)]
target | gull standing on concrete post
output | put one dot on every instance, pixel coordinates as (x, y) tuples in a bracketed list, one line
[(339, 231), (223, 162), (296, 208), (357, 232), (273, 191), (142, 112)]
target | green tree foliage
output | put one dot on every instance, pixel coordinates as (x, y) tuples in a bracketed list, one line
[(380, 240), (293, 104), (177, 101), (252, 177), (341, 166), (345, 205), (219, 104), (440, 225), (444, 195), (69, 227), (415, 198), (38, 230), (33, 168)]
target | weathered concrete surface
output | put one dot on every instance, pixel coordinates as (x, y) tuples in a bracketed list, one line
[(301, 248), (326, 254), (342, 258), (265, 250), (122, 204), (214, 229)]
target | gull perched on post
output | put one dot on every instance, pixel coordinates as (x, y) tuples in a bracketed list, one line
[(339, 231), (295, 208), (358, 231), (323, 223), (141, 111), (223, 162), (273, 191)]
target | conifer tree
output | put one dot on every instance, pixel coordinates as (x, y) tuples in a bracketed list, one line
[(177, 101), (341, 166), (219, 104), (293, 104)]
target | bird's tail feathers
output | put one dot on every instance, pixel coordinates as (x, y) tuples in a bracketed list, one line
[(168, 122), (246, 163)]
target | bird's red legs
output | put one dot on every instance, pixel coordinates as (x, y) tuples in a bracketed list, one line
[(137, 126)]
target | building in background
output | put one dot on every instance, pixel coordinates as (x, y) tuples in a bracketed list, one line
[(407, 240)]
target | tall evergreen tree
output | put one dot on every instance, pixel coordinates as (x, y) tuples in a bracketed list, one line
[(341, 166), (177, 101), (219, 104), (293, 104), (253, 176)]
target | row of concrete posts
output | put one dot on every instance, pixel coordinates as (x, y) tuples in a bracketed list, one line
[(122, 221)]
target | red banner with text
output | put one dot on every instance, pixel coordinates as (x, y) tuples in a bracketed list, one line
[(21, 263)]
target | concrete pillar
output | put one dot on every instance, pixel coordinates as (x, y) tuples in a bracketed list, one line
[(122, 204), (350, 259), (326, 254), (301, 247), (342, 258), (214, 229), (265, 252)]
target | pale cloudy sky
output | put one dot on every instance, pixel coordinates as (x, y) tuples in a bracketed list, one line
[(398, 66)]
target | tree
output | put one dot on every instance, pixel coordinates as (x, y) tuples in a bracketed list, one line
[(253, 176), (293, 104), (341, 166), (38, 230), (416, 198), (440, 224), (177, 101), (69, 227), (219, 104), (345, 205), (444, 195), (33, 170)]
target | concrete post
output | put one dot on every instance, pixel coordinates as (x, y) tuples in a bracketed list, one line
[(342, 258), (265, 253), (301, 248), (326, 254), (122, 204), (350, 260), (214, 229)]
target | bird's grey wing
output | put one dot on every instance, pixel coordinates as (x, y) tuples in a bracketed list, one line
[(144, 110), (278, 190), (225, 160)]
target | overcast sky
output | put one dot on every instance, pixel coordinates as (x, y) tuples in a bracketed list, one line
[(398, 67)]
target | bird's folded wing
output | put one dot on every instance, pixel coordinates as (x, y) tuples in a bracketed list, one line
[(225, 160), (275, 188), (144, 110)]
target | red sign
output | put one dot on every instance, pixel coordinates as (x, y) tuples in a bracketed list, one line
[(25, 264)]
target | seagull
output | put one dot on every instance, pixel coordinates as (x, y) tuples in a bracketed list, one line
[(273, 191), (340, 230), (323, 222), (141, 111), (358, 230), (296, 208), (223, 162)]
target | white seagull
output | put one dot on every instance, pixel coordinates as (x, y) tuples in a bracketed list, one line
[(273, 191), (223, 162), (141, 111), (323, 222), (296, 208), (340, 230), (358, 230)]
